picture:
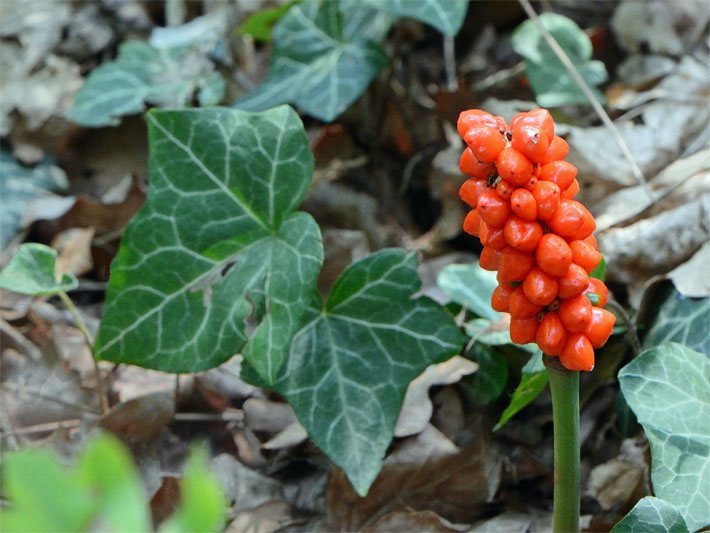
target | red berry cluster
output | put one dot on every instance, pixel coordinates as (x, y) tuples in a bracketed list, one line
[(534, 234)]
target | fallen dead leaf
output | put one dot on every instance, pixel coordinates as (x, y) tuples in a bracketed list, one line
[(407, 521), (140, 419), (74, 251), (245, 487), (515, 523), (691, 278), (265, 518), (417, 408), (291, 435)]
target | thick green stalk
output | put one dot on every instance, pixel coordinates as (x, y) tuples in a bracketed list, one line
[(564, 386)]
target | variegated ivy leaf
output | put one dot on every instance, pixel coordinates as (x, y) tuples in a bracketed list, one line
[(217, 262), (324, 58), (447, 16), (652, 515), (350, 364), (32, 271), (142, 74)]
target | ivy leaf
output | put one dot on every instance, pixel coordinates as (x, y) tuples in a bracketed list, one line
[(668, 388), (217, 243), (32, 271), (19, 185), (142, 74), (533, 382), (683, 320), (652, 515), (323, 60), (447, 16), (548, 77), (260, 24), (488, 383), (350, 364), (599, 271), (470, 286)]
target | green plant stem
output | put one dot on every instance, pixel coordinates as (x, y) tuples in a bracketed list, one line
[(79, 322), (564, 387)]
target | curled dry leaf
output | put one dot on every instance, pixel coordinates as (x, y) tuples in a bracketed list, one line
[(406, 521), (245, 487), (617, 484), (266, 416), (291, 435), (141, 419), (74, 251), (691, 278), (417, 408), (269, 516)]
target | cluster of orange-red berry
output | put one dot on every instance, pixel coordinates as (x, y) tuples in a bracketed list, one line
[(535, 234)]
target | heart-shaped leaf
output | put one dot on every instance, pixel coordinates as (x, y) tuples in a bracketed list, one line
[(32, 271), (166, 77), (349, 366), (323, 60), (217, 243), (447, 16), (652, 515), (548, 77), (668, 388)]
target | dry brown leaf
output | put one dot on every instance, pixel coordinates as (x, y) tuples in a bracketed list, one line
[(266, 518), (408, 521), (267, 416), (417, 408), (245, 487), (292, 435), (515, 523), (691, 278), (424, 473), (74, 249), (132, 382), (616, 484), (141, 419)]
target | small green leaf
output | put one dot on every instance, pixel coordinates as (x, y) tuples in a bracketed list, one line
[(668, 388), (533, 382), (652, 515), (218, 242), (599, 271), (489, 382), (594, 298), (167, 77), (552, 84), (19, 185), (350, 364), (32, 271), (202, 505), (447, 16), (683, 320), (106, 468), (323, 60), (260, 24), (470, 286)]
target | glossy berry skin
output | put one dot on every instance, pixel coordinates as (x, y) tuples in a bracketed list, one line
[(493, 209), (489, 259), (586, 229), (557, 150), (523, 330), (492, 237), (584, 255), (578, 353), (522, 203), (540, 118), (522, 234), (553, 255), (519, 306), (531, 142), (485, 143), (514, 167), (600, 327), (574, 283), (560, 172), (500, 298), (597, 287), (540, 288), (570, 192), (472, 222), (471, 189), (575, 313), (568, 218), (547, 199), (504, 189), (551, 334), (514, 265), (473, 168), (472, 118)]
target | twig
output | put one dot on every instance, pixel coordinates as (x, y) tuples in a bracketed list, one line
[(584, 87), (42, 428), (227, 416), (79, 323), (631, 333), (450, 64)]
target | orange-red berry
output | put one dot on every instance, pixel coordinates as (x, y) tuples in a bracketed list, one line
[(551, 334), (470, 166), (578, 353), (597, 291), (540, 288), (531, 142), (514, 167), (472, 223), (485, 143), (584, 255), (547, 199), (522, 203), (560, 172), (489, 259), (574, 283), (492, 237), (568, 218), (557, 150), (523, 330), (575, 313), (600, 327), (514, 265), (500, 298), (522, 234), (553, 255), (493, 209)]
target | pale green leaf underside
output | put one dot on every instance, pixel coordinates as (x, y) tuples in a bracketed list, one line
[(470, 286), (447, 16), (143, 74), (320, 63), (349, 366), (652, 515), (550, 80), (668, 388), (32, 271), (217, 243), (683, 320)]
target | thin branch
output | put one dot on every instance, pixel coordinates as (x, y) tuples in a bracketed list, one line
[(631, 333), (450, 64), (42, 428), (79, 323), (584, 87)]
